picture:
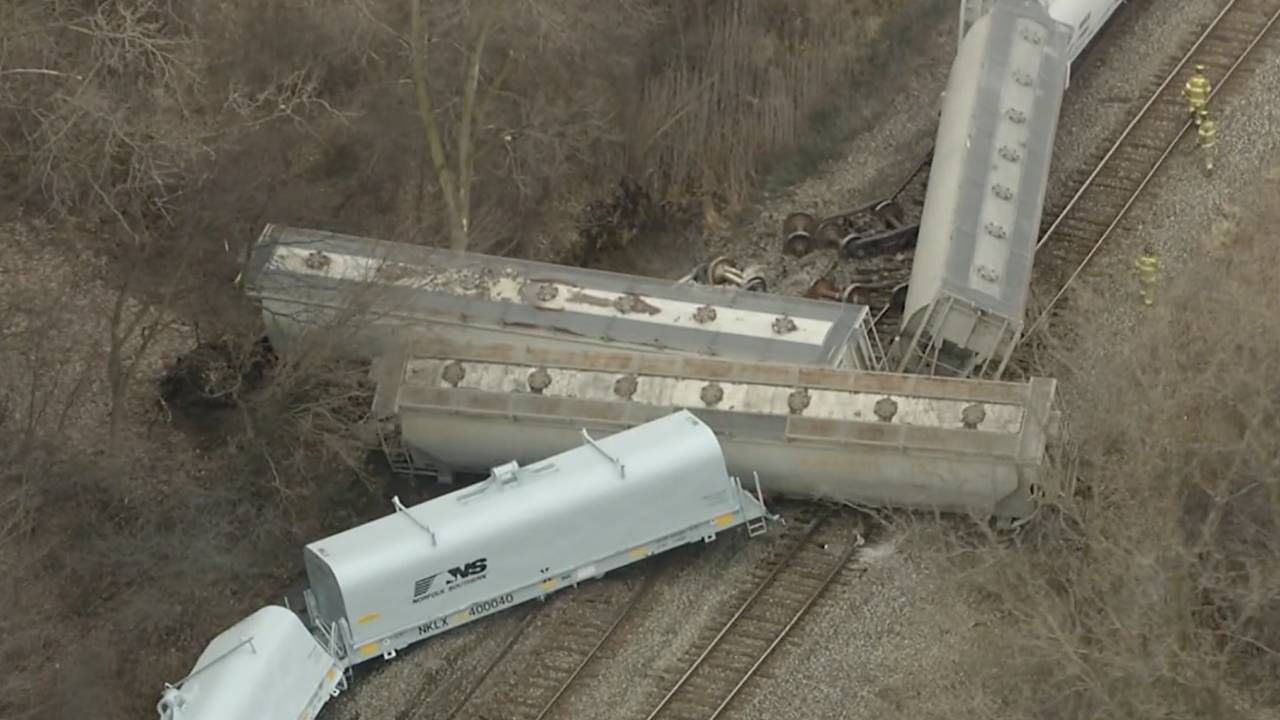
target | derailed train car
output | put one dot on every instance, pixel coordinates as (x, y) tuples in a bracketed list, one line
[(522, 534), (268, 665), (874, 439), (367, 297), (971, 275)]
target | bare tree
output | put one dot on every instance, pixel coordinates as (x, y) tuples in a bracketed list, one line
[(454, 174)]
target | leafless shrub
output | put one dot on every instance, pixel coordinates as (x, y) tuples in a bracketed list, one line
[(1155, 592), (737, 85)]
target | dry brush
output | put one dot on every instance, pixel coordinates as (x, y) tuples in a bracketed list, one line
[(1155, 592)]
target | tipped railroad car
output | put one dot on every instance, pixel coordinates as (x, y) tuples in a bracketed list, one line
[(268, 666), (368, 296), (971, 275), (866, 438)]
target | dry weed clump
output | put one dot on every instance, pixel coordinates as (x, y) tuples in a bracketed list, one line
[(1156, 591), (736, 84)]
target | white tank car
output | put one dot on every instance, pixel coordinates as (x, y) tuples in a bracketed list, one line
[(268, 666), (523, 533), (367, 296), (875, 439), (1085, 18), (972, 269)]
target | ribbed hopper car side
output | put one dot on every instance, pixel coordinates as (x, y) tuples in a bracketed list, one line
[(874, 439), (523, 533), (971, 275), (368, 296)]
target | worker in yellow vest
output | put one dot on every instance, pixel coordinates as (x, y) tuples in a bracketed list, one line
[(1197, 91), (1148, 273), (1207, 138)]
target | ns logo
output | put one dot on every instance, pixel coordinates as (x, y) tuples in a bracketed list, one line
[(462, 572), (423, 587)]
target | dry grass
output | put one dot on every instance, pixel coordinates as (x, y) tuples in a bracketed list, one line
[(210, 118), (1156, 591), (738, 86)]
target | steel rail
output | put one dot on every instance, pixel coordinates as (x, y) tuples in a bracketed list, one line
[(1168, 150), (826, 582), (595, 649), (746, 605), (1142, 113), (510, 643)]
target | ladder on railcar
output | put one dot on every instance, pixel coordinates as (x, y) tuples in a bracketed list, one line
[(398, 456)]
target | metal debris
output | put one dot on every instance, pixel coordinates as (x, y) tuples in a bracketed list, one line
[(723, 271), (797, 233)]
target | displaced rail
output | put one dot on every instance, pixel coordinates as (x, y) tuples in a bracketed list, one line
[(560, 665), (808, 560), (1093, 214)]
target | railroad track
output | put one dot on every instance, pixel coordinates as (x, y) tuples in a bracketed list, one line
[(808, 560), (1095, 212), (536, 692)]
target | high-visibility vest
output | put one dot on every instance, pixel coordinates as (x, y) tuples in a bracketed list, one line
[(1147, 267), (1207, 133), (1197, 91)]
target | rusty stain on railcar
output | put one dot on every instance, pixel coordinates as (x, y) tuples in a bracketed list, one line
[(711, 369)]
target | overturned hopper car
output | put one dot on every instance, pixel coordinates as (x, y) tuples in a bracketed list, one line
[(368, 297), (971, 275), (872, 439)]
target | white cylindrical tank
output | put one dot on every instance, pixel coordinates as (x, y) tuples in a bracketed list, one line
[(265, 667), (950, 154), (1085, 17)]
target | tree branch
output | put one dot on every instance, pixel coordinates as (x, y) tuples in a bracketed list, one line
[(465, 126), (457, 231)]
